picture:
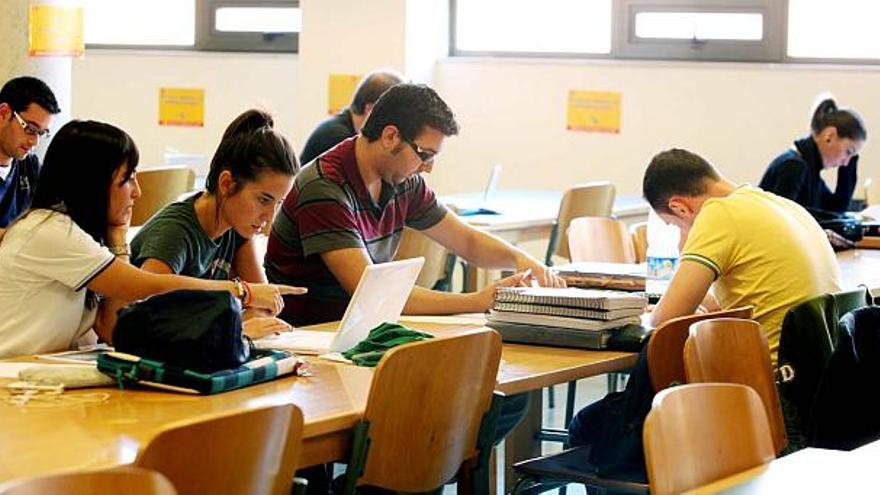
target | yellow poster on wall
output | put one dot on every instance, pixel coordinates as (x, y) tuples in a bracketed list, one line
[(55, 29), (594, 111), (340, 88), (182, 106)]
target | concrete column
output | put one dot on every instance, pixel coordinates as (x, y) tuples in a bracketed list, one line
[(14, 60)]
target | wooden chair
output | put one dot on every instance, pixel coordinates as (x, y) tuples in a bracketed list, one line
[(426, 414), (699, 433), (666, 347), (601, 239), (160, 186), (254, 452), (124, 480), (639, 233), (733, 350), (594, 199), (439, 262)]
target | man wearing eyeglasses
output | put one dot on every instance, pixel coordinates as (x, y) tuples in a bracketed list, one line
[(348, 208), (27, 108)]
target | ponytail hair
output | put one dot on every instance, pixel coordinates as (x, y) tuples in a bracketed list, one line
[(251, 146), (846, 121)]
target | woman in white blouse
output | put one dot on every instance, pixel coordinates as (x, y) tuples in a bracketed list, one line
[(67, 256)]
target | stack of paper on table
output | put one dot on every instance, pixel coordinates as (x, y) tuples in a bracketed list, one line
[(563, 316), (620, 276)]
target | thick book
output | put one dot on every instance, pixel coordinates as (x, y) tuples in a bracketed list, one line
[(572, 297), (592, 314), (579, 324), (553, 336), (619, 276)]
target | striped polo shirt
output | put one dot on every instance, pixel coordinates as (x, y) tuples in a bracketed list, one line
[(329, 208)]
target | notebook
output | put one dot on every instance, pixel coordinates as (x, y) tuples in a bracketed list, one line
[(552, 336), (561, 321), (571, 297), (481, 207), (379, 297), (593, 314)]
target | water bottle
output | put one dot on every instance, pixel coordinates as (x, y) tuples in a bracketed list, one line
[(662, 255)]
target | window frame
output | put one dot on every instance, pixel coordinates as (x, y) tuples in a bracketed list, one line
[(768, 49), (773, 48), (210, 40)]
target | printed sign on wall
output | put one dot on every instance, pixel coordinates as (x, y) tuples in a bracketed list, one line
[(340, 88), (55, 29), (594, 111), (182, 106)]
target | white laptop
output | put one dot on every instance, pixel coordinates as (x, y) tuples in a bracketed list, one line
[(481, 207), (379, 297)]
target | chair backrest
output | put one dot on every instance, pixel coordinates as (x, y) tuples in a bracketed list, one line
[(254, 451), (600, 239), (731, 350), (666, 346), (414, 244), (872, 191), (639, 232), (426, 403), (160, 186), (127, 480), (594, 199), (699, 433)]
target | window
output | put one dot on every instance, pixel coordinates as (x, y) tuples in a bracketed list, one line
[(227, 25), (561, 27), (701, 30), (845, 30), (157, 23)]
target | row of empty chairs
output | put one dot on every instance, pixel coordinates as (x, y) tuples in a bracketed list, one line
[(416, 434)]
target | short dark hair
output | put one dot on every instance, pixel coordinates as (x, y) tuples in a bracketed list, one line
[(20, 92), (371, 87), (676, 172), (249, 147), (78, 170), (848, 122), (410, 107)]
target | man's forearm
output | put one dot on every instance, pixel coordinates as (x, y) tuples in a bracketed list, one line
[(431, 302)]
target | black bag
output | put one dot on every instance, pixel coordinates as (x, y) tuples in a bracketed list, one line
[(618, 451), (846, 414), (193, 329), (847, 226)]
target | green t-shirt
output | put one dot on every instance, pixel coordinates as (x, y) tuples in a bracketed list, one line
[(175, 236)]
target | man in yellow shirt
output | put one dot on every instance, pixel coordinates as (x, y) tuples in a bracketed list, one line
[(749, 246)]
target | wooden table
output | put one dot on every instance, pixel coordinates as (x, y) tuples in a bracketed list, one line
[(78, 435), (806, 471), (860, 267)]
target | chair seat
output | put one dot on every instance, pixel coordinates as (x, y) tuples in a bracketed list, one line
[(573, 466)]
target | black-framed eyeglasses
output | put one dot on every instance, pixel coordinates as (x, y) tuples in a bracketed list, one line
[(29, 128), (426, 156)]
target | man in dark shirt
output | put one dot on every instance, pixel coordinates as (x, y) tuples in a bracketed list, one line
[(349, 121), (27, 108)]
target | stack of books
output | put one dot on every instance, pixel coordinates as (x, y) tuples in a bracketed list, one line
[(569, 317)]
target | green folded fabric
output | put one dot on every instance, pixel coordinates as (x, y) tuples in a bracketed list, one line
[(386, 336)]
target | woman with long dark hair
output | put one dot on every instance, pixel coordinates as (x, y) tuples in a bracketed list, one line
[(211, 233), (65, 262)]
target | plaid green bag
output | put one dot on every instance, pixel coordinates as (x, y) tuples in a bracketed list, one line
[(264, 365)]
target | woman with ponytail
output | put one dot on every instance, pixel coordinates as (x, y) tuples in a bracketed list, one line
[(837, 135), (210, 234)]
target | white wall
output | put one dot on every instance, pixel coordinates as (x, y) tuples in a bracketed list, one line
[(122, 88), (512, 112), (739, 116)]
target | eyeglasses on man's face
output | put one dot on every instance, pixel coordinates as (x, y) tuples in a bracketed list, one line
[(30, 128), (426, 156)]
